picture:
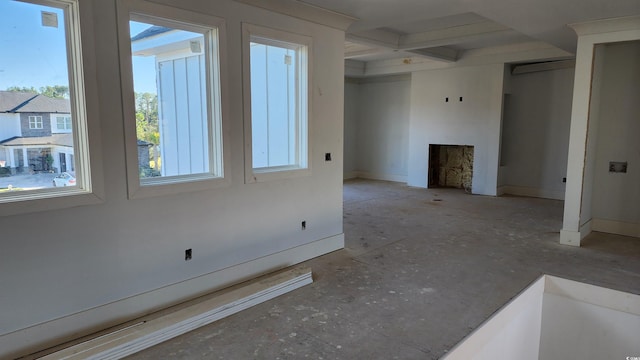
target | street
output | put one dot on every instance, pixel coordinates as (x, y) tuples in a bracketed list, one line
[(28, 181)]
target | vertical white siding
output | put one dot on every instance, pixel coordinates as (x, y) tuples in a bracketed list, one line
[(183, 118)]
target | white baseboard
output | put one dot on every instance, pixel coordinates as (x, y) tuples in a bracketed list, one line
[(349, 175), (570, 237), (57, 331), (531, 192), (149, 332), (616, 227), (378, 176)]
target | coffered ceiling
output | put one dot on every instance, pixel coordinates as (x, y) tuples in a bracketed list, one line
[(444, 30)]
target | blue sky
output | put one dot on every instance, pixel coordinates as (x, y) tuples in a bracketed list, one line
[(34, 55)]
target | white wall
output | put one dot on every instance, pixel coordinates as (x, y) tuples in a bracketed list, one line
[(474, 121), (10, 126), (75, 270), (586, 211), (351, 111), (616, 196), (513, 332), (573, 329), (382, 127), (535, 136), (576, 224)]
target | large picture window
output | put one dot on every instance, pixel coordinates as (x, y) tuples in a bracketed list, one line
[(279, 109), (172, 98), (42, 80)]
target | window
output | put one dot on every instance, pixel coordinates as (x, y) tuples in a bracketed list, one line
[(42, 75), (35, 122), (172, 98), (278, 114), (63, 123)]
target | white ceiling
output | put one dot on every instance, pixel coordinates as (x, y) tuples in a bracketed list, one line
[(444, 29)]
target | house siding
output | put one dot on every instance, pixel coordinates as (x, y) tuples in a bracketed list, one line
[(27, 132)]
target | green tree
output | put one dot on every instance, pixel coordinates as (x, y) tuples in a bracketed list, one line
[(52, 91), (22, 89), (147, 117), (147, 124), (55, 91)]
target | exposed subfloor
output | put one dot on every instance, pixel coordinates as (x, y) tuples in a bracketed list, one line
[(421, 269)]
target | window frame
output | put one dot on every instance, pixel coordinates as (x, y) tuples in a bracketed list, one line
[(215, 54), (281, 38), (66, 125), (81, 64), (36, 122)]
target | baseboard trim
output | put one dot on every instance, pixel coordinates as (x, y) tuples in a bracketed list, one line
[(377, 176), (616, 227), (147, 333), (570, 237), (349, 175), (52, 333), (531, 192)]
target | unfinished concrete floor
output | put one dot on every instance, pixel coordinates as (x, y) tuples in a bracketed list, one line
[(421, 269)]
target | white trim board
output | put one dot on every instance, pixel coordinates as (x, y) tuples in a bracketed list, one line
[(378, 176), (147, 333), (615, 227), (531, 192), (49, 334)]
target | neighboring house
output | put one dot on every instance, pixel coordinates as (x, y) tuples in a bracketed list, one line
[(35, 133), (179, 65)]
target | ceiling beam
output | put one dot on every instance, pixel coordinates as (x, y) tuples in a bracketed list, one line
[(377, 37), (432, 44), (305, 11), (440, 53), (543, 66), (450, 36)]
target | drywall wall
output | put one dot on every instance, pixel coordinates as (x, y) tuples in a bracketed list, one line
[(383, 127), (511, 333), (535, 136), (575, 226), (592, 135), (351, 111), (573, 329), (473, 121), (616, 196), (75, 270)]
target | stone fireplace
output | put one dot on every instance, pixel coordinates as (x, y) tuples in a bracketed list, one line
[(450, 166)]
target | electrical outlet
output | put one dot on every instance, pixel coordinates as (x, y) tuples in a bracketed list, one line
[(327, 157), (188, 254), (564, 179), (304, 224)]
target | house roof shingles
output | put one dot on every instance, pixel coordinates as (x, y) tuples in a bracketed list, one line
[(151, 31), (55, 139), (11, 100), (22, 102)]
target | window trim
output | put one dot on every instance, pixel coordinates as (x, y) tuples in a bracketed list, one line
[(216, 82), (278, 38), (81, 62), (37, 120), (66, 125)]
